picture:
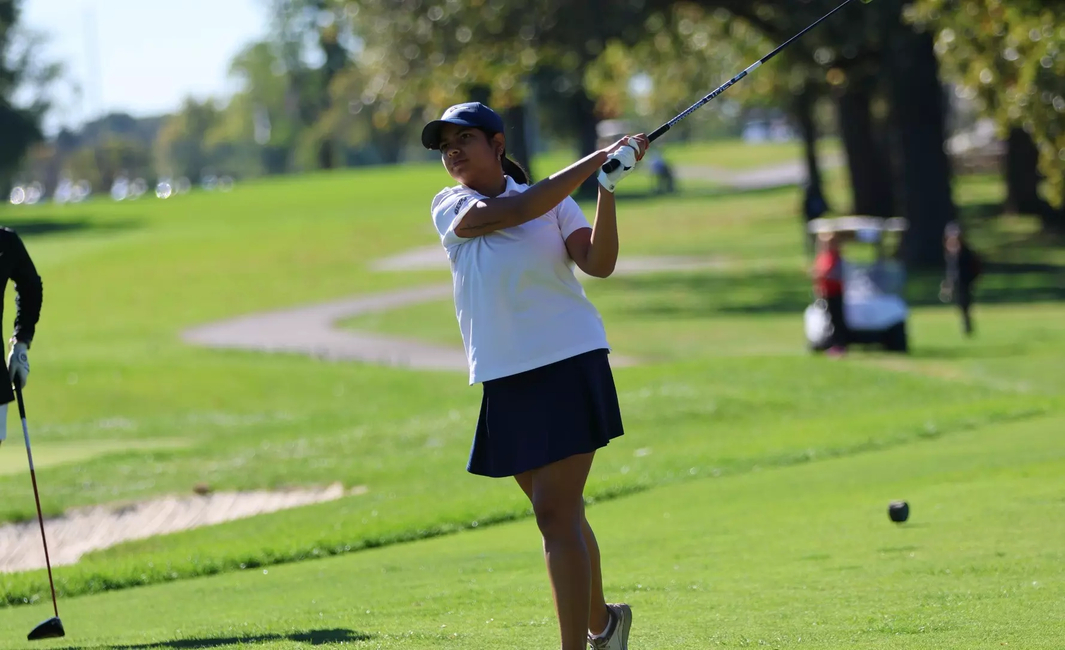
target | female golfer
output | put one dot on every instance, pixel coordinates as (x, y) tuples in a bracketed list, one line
[(535, 342)]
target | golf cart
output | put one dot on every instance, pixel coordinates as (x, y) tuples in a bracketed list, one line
[(873, 306)]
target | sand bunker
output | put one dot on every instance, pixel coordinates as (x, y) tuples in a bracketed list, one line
[(97, 527)]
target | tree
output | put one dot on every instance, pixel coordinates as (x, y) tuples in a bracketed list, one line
[(264, 105), (307, 38), (365, 129), (891, 114), (21, 70), (1009, 58), (414, 59), (423, 56), (182, 147), (919, 120)]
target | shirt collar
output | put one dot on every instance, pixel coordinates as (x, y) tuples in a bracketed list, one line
[(512, 187)]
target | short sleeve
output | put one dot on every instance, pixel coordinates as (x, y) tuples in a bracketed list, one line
[(448, 209), (570, 217)]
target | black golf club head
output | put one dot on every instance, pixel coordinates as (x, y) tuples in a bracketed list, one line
[(50, 629)]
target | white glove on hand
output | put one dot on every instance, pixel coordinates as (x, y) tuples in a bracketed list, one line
[(626, 155), (18, 364)]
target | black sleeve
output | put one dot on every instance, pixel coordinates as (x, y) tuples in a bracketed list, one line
[(29, 292)]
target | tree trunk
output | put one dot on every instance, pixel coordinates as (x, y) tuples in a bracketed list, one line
[(867, 162), (1055, 219), (584, 120), (274, 159), (814, 203), (517, 137), (804, 113), (389, 145), (1022, 176), (479, 93), (918, 108), (325, 154)]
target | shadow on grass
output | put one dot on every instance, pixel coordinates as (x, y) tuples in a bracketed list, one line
[(939, 353), (697, 294), (703, 192), (41, 227), (313, 638), (968, 212)]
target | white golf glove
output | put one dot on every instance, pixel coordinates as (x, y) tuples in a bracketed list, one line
[(18, 364), (626, 155)]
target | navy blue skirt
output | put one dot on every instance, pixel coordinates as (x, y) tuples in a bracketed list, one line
[(544, 415)]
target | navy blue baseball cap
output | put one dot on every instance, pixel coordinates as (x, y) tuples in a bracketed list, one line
[(472, 114)]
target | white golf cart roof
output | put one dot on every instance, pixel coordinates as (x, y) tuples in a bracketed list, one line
[(857, 224)]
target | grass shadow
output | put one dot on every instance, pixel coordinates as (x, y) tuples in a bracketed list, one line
[(28, 228), (969, 212), (312, 637), (707, 192), (704, 293), (698, 294), (939, 353), (1002, 283)]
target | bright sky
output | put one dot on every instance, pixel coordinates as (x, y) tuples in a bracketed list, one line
[(144, 56)]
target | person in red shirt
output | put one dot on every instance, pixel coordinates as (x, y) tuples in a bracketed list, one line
[(828, 285)]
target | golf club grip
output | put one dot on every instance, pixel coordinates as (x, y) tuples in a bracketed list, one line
[(611, 165), (21, 404)]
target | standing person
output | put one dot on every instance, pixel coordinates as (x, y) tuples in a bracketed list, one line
[(535, 342), (963, 267), (663, 174), (17, 265), (814, 205), (828, 285)]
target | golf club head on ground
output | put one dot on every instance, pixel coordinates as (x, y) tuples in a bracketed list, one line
[(50, 629)]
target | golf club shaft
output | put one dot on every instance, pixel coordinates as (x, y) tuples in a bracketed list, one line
[(36, 494), (611, 165)]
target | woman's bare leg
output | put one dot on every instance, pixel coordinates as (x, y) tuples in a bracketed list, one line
[(557, 495)]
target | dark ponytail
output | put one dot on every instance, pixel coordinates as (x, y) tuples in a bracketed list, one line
[(510, 167), (514, 170)]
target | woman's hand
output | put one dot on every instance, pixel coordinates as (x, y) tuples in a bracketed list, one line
[(639, 143), (627, 151)]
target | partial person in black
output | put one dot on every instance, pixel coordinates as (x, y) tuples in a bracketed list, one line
[(17, 266), (963, 267)]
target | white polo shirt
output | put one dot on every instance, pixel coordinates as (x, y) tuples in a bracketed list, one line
[(518, 303)]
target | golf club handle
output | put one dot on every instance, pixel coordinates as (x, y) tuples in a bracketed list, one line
[(611, 165), (21, 404), (25, 429)]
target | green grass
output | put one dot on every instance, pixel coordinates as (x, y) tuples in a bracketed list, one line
[(54, 454), (739, 155), (121, 409), (731, 155), (796, 557)]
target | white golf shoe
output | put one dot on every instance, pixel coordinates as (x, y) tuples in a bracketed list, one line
[(616, 635)]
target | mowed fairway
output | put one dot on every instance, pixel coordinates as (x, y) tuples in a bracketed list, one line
[(796, 557), (746, 505)]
